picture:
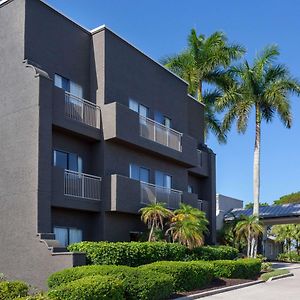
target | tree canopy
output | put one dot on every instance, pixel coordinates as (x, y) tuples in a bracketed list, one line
[(289, 198)]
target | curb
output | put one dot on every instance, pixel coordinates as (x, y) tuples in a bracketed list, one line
[(219, 291), (280, 277)]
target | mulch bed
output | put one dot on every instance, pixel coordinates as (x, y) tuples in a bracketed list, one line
[(215, 284)]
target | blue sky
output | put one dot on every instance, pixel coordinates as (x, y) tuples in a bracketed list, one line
[(160, 28)]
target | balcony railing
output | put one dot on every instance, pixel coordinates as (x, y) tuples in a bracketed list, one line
[(200, 204), (154, 194), (82, 110), (82, 185), (161, 134), (203, 205)]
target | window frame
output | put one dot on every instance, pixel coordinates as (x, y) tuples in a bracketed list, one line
[(164, 176), (79, 160), (139, 172), (68, 229)]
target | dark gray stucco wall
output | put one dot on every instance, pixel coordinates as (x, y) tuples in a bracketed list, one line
[(57, 45), (23, 256)]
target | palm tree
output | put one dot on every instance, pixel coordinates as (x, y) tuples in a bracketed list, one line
[(249, 228), (204, 61), (265, 88), (153, 215), (188, 226), (286, 234)]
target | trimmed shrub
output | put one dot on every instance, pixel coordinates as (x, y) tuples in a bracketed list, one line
[(13, 289), (148, 285), (35, 297), (90, 288), (129, 253), (138, 283), (69, 275), (186, 275), (214, 253), (241, 268)]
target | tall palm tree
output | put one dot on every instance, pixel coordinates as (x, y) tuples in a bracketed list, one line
[(154, 215), (204, 61), (265, 87), (188, 226), (249, 228)]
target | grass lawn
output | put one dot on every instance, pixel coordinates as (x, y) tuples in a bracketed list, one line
[(268, 275)]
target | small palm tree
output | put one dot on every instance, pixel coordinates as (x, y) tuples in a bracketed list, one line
[(188, 226), (249, 228), (286, 234), (204, 61), (154, 215)]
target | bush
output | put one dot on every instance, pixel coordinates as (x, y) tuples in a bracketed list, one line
[(138, 283), (241, 268), (289, 257), (214, 253), (136, 253), (266, 267), (186, 275), (13, 289), (35, 297), (90, 288), (130, 254), (69, 275)]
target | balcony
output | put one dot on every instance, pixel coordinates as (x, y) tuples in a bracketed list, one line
[(82, 185), (202, 166), (82, 110), (151, 193), (122, 125), (129, 195), (161, 134), (75, 114), (75, 190)]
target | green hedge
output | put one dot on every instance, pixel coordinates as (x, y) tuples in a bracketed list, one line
[(69, 275), (13, 289), (138, 284), (186, 275), (241, 268), (135, 253), (129, 253), (90, 288), (214, 253)]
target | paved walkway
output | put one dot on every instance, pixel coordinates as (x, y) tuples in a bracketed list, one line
[(282, 289)]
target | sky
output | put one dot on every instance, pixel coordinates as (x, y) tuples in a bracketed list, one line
[(160, 28)]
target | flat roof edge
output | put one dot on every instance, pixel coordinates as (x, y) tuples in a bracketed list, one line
[(3, 2), (98, 29)]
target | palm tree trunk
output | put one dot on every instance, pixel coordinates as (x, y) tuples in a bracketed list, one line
[(256, 171), (151, 232), (199, 92), (249, 243), (256, 163)]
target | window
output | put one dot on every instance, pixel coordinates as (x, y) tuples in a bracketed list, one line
[(163, 180), (139, 108), (68, 85), (139, 173), (67, 236), (190, 189), (67, 161), (160, 118)]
